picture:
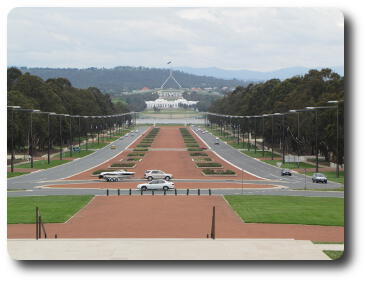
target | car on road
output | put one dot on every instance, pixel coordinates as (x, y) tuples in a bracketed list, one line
[(216, 141), (113, 147), (115, 176), (319, 178), (286, 172), (156, 185), (157, 174)]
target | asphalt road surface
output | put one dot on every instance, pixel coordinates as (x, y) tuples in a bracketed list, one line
[(37, 178), (259, 168), (27, 185)]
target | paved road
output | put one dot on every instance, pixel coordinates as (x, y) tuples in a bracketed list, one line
[(113, 192), (259, 168), (28, 184), (30, 181)]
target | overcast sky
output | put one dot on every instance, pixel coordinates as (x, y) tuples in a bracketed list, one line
[(259, 39)]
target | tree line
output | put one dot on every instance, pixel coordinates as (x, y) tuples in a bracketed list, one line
[(315, 88), (125, 78), (53, 95)]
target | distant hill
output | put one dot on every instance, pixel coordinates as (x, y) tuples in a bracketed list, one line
[(248, 75), (118, 79)]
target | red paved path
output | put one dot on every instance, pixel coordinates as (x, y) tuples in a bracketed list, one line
[(169, 217), (178, 163)]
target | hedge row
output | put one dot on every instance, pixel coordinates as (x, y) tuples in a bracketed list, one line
[(218, 172)]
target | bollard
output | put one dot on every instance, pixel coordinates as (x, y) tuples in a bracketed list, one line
[(210, 192), (198, 192), (129, 192), (55, 236), (152, 192), (141, 192), (118, 192), (164, 192), (107, 192), (187, 192), (175, 192)]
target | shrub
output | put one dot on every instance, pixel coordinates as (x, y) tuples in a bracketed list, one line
[(208, 164), (218, 172), (133, 159), (130, 164), (198, 154), (195, 149), (140, 149), (136, 154), (203, 159), (143, 145), (192, 145)]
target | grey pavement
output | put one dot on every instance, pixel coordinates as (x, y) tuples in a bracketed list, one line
[(28, 185), (164, 249), (261, 169), (30, 181)]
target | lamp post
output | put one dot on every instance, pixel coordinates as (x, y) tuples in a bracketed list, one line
[(263, 134), (248, 132), (283, 136), (48, 134), (12, 137), (86, 133), (315, 108), (337, 134), (31, 136), (297, 111)]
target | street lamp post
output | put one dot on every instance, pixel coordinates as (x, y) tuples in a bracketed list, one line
[(315, 108), (31, 136), (12, 137), (337, 134)]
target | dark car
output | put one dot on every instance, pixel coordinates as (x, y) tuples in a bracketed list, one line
[(286, 172)]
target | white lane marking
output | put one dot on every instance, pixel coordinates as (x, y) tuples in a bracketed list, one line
[(107, 159), (229, 161)]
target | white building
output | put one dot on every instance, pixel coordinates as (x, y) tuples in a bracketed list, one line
[(170, 98)]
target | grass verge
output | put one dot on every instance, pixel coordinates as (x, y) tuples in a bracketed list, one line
[(42, 164), (289, 209), (334, 255), (54, 209), (15, 174)]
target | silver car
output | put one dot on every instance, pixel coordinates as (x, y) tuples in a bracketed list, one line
[(319, 178), (157, 174), (156, 185)]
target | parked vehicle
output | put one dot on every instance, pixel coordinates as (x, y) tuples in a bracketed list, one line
[(115, 176), (157, 174), (156, 185), (319, 178), (286, 172)]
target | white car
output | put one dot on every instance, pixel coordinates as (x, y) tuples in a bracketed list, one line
[(156, 185), (216, 141), (157, 174)]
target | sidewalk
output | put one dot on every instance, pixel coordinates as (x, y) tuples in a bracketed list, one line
[(164, 249)]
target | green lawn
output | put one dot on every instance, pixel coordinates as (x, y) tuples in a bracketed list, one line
[(42, 164), (15, 174), (96, 145), (259, 153), (54, 209), (80, 154), (331, 176), (334, 254), (289, 209), (290, 165)]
